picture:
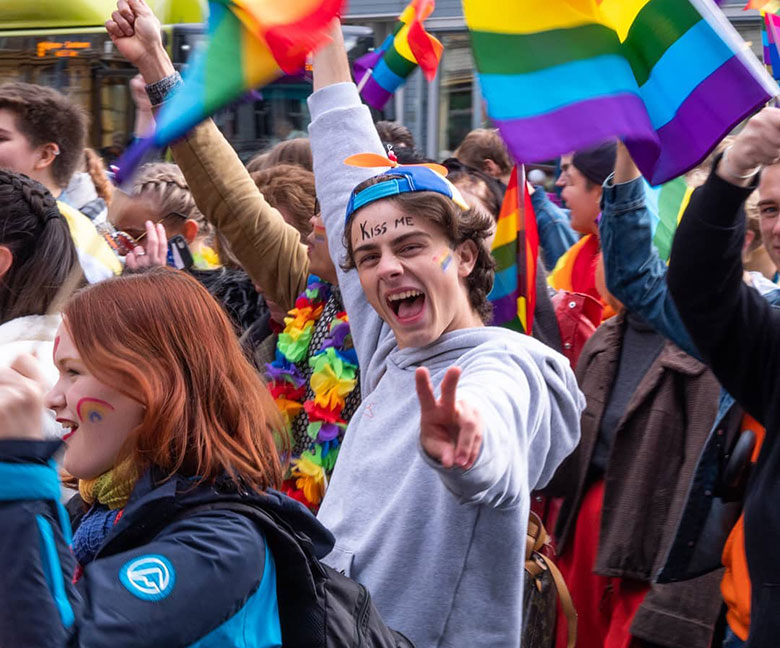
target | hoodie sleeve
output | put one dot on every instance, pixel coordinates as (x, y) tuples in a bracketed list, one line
[(203, 578), (531, 416), (341, 126)]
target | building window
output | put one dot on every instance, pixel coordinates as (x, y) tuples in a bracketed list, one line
[(456, 105)]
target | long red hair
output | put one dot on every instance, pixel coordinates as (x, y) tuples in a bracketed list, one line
[(162, 339)]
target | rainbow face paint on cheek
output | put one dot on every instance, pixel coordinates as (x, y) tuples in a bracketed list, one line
[(444, 260), (93, 410), (319, 233)]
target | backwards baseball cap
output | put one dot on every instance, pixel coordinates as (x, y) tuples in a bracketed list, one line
[(411, 178)]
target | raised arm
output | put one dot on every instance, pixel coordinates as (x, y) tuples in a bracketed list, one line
[(634, 272), (341, 126), (735, 329), (268, 248)]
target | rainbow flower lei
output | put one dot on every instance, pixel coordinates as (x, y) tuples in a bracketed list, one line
[(334, 376)]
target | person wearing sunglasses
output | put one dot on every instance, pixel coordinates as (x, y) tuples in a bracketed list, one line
[(159, 207)]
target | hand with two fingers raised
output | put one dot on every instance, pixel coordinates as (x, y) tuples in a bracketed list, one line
[(451, 431)]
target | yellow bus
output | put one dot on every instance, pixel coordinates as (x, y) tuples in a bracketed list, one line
[(62, 44)]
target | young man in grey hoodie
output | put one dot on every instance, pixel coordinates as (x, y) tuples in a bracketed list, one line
[(429, 500)]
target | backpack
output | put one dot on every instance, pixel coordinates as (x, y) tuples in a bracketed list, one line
[(318, 606), (543, 587)]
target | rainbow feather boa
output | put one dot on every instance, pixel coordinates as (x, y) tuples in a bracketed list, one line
[(333, 378)]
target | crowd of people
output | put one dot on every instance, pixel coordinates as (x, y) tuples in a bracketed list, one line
[(307, 432)]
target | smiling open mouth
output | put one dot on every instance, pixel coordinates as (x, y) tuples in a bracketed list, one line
[(69, 430), (407, 305)]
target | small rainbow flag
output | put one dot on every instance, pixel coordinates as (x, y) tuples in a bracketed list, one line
[(670, 77), (515, 250), (770, 35), (381, 72), (250, 43)]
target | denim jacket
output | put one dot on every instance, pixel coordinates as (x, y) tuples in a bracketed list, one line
[(636, 275), (555, 232)]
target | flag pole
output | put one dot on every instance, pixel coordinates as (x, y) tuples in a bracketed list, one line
[(365, 79)]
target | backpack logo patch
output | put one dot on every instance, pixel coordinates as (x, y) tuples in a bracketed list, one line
[(149, 578)]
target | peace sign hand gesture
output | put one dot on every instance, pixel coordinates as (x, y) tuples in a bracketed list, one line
[(450, 430)]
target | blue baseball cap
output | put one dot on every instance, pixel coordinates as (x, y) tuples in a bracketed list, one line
[(413, 178)]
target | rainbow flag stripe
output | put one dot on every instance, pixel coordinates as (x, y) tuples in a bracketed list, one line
[(250, 43), (671, 77), (770, 35), (515, 250), (673, 198), (381, 72)]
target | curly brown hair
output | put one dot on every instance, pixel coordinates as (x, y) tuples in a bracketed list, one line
[(43, 115), (458, 226)]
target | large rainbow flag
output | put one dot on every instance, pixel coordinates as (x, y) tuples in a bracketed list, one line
[(670, 77), (250, 43), (515, 250), (381, 72)]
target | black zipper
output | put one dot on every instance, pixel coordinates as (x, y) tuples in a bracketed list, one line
[(362, 615)]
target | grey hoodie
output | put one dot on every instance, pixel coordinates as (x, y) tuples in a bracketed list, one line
[(441, 550)]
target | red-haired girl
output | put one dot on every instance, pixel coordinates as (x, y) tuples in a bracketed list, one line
[(164, 414)]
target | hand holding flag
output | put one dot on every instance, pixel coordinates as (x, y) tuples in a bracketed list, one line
[(251, 43)]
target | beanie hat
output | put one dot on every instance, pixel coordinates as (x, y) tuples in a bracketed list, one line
[(597, 162)]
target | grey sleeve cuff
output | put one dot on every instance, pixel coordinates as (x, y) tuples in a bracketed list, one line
[(159, 90)]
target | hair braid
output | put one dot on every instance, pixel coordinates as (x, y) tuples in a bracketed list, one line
[(38, 237), (163, 185)]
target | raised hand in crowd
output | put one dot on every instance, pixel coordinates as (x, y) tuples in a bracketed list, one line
[(757, 145), (22, 388), (135, 31), (625, 169), (450, 430), (154, 252)]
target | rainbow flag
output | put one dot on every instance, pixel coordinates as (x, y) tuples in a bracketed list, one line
[(673, 198), (381, 72), (772, 6), (770, 35), (250, 43), (670, 77), (515, 250)]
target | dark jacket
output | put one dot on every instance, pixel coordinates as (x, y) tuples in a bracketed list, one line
[(650, 466), (636, 275), (738, 335), (157, 580)]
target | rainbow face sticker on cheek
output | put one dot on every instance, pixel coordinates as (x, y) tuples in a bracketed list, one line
[(92, 410), (444, 259)]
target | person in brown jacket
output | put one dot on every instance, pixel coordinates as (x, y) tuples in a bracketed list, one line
[(650, 407)]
